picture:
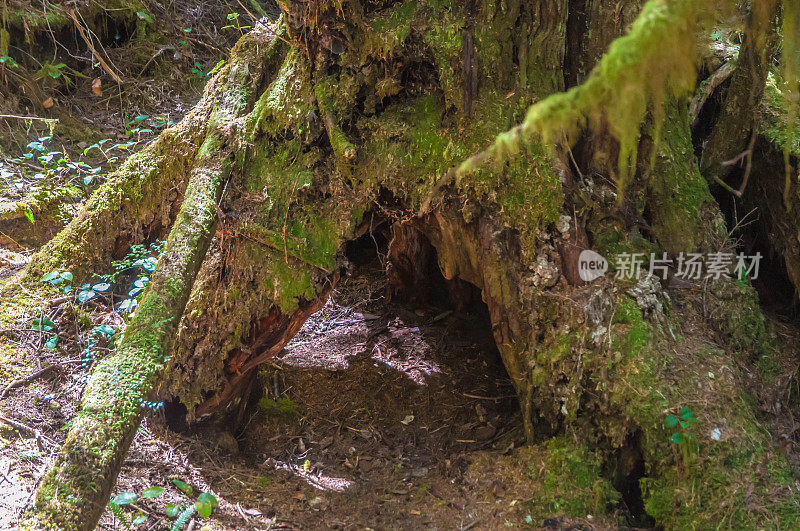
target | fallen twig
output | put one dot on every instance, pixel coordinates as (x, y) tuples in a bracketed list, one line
[(17, 117), (88, 42), (19, 426), (28, 379)]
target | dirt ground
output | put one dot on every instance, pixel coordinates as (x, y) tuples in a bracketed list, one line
[(371, 418)]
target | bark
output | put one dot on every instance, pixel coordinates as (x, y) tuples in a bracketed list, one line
[(46, 209), (75, 491), (357, 119), (736, 128)]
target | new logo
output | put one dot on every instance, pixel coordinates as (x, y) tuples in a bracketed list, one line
[(591, 265)]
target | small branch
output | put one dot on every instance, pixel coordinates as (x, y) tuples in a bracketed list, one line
[(88, 42), (28, 379), (736, 159), (749, 152), (727, 187), (716, 79), (17, 117), (19, 426)]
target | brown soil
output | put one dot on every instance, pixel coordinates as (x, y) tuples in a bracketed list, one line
[(370, 419)]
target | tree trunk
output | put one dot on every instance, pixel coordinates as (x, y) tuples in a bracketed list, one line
[(327, 126)]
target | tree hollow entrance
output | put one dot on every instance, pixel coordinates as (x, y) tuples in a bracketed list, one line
[(398, 340), (387, 388)]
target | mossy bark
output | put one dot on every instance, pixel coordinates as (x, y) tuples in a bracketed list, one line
[(737, 126), (75, 491), (332, 125)]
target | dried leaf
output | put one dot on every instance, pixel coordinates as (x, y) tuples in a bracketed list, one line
[(48, 103), (97, 86)]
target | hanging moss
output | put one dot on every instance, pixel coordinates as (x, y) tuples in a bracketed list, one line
[(636, 75)]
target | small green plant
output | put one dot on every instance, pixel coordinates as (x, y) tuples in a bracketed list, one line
[(235, 24), (5, 60), (204, 506), (121, 504), (145, 16), (59, 278), (49, 70), (124, 499), (197, 69), (744, 279), (681, 436)]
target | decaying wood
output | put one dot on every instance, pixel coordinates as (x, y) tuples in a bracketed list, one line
[(74, 493)]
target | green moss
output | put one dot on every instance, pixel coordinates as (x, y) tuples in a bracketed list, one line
[(678, 192), (549, 356), (703, 484), (735, 311), (412, 144), (49, 16), (444, 39), (637, 73), (611, 241), (628, 312), (571, 480), (285, 105), (282, 407), (387, 32), (775, 126)]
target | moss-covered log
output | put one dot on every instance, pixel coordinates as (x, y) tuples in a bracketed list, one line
[(75, 491), (366, 111)]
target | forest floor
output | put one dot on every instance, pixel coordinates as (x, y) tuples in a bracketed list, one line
[(377, 415)]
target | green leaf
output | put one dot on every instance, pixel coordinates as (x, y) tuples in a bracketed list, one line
[(124, 498), (50, 276), (144, 16), (205, 504), (203, 509), (209, 498), (103, 330), (66, 275), (172, 510), (85, 295), (686, 413), (52, 342), (139, 520), (183, 486), (671, 421), (152, 492), (43, 325), (29, 215), (677, 438)]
